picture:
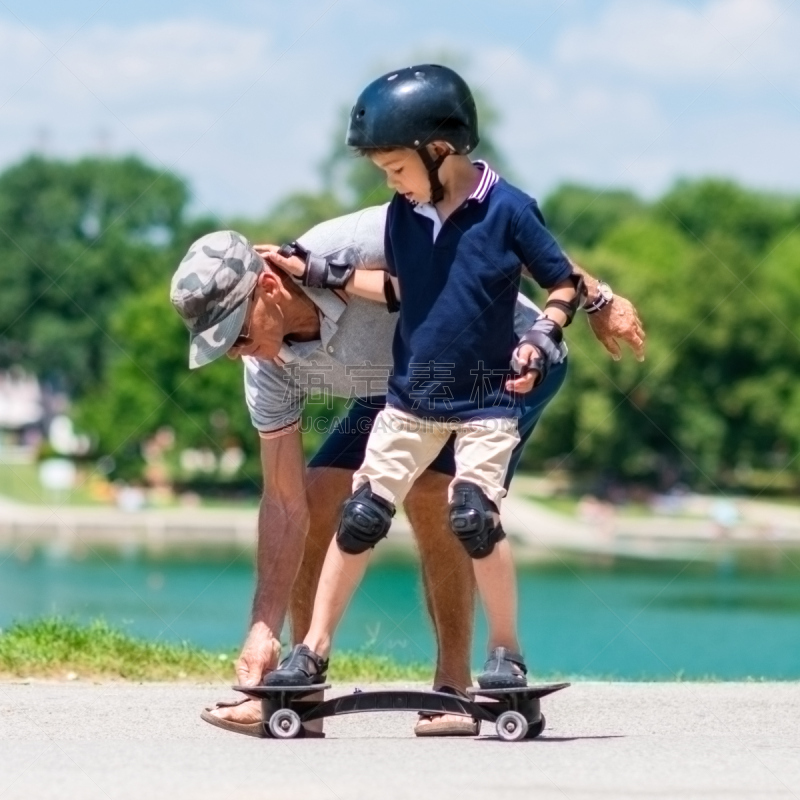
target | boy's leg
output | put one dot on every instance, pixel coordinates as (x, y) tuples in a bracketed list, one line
[(341, 575), (400, 447), (497, 585), (327, 488), (483, 450), (447, 576)]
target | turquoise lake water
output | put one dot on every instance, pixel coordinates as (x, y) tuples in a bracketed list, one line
[(626, 619)]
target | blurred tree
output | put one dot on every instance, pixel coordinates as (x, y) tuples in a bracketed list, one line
[(74, 239), (148, 385), (87, 249), (580, 217), (711, 206), (290, 217)]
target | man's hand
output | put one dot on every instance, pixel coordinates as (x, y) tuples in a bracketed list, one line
[(527, 380), (293, 266), (618, 320), (260, 653)]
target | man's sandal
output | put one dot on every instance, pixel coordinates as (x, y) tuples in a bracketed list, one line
[(245, 728), (437, 725)]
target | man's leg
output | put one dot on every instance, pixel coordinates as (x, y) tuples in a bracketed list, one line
[(327, 488), (449, 587), (447, 576)]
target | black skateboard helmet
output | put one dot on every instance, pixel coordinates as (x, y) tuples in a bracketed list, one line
[(413, 107)]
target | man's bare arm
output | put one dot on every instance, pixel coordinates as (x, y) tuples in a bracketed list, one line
[(283, 521), (617, 320)]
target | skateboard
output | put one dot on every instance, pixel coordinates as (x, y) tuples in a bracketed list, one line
[(516, 712)]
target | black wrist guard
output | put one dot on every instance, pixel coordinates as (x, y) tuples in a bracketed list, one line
[(321, 272), (570, 307), (546, 336)]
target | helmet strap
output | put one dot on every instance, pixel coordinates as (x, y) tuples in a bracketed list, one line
[(432, 165)]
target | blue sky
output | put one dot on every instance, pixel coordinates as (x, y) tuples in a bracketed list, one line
[(242, 97)]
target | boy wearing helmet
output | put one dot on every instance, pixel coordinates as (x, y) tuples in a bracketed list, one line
[(457, 238)]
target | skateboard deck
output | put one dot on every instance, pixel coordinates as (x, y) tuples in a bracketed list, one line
[(532, 691), (267, 691)]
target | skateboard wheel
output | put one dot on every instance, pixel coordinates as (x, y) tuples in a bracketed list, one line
[(285, 724), (535, 728), (511, 726)]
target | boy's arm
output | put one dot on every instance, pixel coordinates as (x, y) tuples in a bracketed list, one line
[(545, 262), (540, 345), (370, 284), (564, 294)]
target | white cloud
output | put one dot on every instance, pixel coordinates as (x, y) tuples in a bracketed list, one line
[(613, 106), (556, 128), (213, 101), (612, 100), (173, 58), (671, 42)]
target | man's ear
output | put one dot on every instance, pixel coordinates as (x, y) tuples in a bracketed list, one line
[(270, 284)]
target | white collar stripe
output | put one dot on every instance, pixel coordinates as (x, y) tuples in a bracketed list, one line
[(482, 185), (488, 179)]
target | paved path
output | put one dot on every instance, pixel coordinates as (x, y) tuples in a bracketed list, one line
[(610, 741)]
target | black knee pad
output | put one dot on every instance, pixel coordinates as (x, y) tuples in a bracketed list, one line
[(366, 519), (472, 520)]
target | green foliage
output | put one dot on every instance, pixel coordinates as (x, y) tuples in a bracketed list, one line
[(713, 271), (87, 250), (148, 385), (579, 216), (74, 239), (708, 206)]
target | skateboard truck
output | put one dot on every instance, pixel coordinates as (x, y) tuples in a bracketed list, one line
[(516, 712)]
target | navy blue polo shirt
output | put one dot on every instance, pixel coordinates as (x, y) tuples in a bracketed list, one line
[(458, 288)]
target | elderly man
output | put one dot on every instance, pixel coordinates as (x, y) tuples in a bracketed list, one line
[(295, 339)]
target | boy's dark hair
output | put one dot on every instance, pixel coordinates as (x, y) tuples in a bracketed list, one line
[(371, 151)]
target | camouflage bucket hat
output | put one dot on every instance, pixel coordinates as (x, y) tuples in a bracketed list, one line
[(211, 290)]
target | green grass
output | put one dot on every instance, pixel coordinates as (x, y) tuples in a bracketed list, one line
[(20, 482), (59, 648)]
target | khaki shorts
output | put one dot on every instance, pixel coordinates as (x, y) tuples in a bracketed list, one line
[(401, 446)]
